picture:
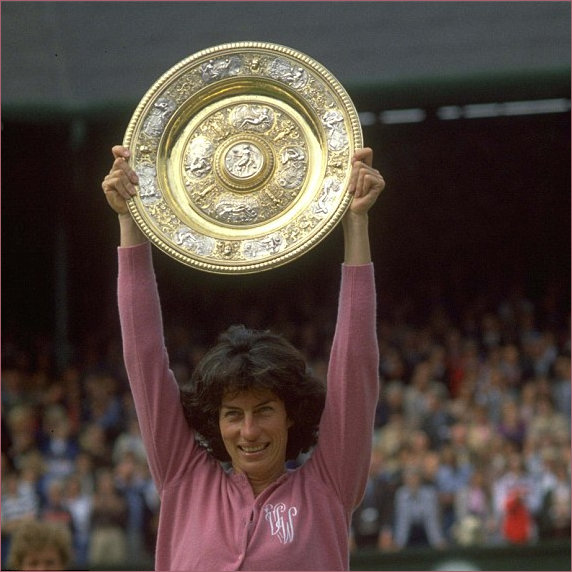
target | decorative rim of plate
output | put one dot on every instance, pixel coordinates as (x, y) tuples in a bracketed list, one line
[(215, 121)]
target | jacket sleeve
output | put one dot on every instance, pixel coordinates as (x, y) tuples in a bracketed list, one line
[(165, 432), (346, 428)]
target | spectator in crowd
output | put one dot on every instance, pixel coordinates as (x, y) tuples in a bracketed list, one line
[(59, 449), (131, 483), (491, 392), (19, 504), (103, 406), (557, 500), (517, 526), (23, 424), (459, 443), (419, 446), (108, 545), (40, 546), (480, 430), (540, 352), (393, 435), (129, 441), (372, 521), (436, 420), (94, 442), (511, 365), (515, 501), (526, 401), (390, 400), (55, 509), (438, 364), (511, 426), (79, 505), (547, 421), (473, 523), (14, 383), (392, 368), (416, 393), (84, 471), (561, 385), (32, 475), (417, 521), (72, 396), (464, 361), (451, 476), (555, 489)]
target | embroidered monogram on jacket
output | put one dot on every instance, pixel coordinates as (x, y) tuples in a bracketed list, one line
[(281, 520)]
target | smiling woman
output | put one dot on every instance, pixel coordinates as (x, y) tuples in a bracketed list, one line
[(252, 401), (252, 361), (254, 429)]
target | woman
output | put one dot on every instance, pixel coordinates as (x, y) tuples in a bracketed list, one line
[(239, 406), (40, 546)]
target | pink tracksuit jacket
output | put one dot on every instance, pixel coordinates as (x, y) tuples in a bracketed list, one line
[(210, 519)]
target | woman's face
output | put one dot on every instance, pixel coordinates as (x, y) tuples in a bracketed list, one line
[(254, 428)]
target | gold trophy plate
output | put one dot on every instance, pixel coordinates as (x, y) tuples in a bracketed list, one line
[(243, 153)]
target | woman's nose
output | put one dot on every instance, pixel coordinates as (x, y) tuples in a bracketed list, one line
[(250, 428)]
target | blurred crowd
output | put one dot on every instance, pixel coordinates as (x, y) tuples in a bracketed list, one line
[(471, 443), (472, 436)]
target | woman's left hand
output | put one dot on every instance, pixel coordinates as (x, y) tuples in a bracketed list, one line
[(366, 183)]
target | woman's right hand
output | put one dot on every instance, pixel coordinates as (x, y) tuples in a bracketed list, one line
[(119, 184), (119, 187)]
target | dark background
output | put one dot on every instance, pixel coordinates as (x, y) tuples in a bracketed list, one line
[(471, 206), (474, 206)]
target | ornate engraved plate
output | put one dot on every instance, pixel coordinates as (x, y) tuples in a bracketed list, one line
[(243, 153)]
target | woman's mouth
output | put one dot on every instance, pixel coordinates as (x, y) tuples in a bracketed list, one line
[(252, 449)]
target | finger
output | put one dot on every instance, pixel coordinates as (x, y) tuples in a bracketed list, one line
[(120, 151), (120, 165), (363, 181), (118, 183), (360, 181), (354, 175), (113, 190), (373, 183), (365, 155)]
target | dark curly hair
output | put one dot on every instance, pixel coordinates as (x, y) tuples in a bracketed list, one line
[(246, 360)]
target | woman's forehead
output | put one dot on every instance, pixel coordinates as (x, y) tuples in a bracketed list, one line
[(247, 397)]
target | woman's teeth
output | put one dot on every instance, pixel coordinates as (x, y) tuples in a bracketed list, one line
[(252, 449)]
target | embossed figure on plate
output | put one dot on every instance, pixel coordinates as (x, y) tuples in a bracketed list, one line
[(148, 189), (221, 68), (236, 211), (243, 160), (333, 121), (198, 158), (155, 122), (265, 246), (294, 164), (295, 76), (195, 242), (330, 188), (252, 117)]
